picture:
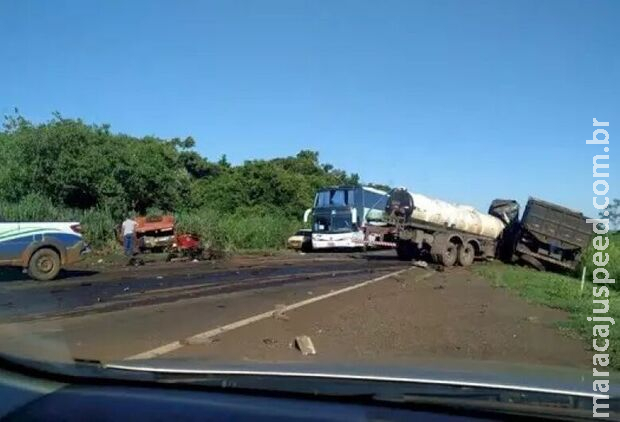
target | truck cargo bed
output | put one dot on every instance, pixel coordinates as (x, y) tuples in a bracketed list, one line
[(553, 234)]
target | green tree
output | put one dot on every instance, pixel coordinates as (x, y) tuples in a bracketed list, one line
[(614, 213)]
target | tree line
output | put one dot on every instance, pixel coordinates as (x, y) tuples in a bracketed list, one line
[(69, 165)]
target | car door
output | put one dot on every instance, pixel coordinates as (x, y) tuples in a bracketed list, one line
[(10, 242)]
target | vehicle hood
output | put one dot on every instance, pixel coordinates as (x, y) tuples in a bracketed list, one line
[(473, 373)]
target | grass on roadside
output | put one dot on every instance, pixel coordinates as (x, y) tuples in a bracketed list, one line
[(559, 292), (613, 265)]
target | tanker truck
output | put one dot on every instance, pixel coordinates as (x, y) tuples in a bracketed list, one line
[(449, 234)]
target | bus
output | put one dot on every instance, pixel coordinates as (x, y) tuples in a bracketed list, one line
[(341, 214)]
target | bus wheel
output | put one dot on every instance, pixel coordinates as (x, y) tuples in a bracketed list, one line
[(44, 264), (448, 256), (466, 254)]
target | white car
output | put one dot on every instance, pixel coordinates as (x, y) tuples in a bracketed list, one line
[(42, 248), (302, 240)]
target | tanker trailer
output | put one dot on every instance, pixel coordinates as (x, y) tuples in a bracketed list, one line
[(428, 228)]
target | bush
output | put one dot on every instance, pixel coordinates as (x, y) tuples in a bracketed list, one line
[(34, 207), (98, 227), (613, 265), (245, 229)]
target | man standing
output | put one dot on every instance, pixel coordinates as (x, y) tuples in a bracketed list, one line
[(128, 229)]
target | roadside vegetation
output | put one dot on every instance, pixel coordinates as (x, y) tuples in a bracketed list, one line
[(564, 292), (613, 266), (65, 169)]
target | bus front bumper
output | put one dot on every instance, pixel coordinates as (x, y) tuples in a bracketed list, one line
[(335, 242)]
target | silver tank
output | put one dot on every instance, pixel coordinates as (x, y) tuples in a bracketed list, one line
[(414, 206)]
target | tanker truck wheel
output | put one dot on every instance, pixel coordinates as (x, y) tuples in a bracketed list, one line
[(466, 254), (449, 255)]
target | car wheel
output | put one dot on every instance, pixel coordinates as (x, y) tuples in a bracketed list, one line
[(44, 264)]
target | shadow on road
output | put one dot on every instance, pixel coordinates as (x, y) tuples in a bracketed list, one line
[(16, 274), (380, 257)]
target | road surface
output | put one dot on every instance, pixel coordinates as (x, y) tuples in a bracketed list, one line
[(355, 307)]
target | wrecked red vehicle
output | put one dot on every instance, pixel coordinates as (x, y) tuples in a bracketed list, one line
[(158, 234), (155, 233)]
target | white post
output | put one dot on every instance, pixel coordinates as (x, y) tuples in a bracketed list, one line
[(583, 278)]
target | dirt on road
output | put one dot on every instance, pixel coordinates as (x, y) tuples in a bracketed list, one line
[(416, 315)]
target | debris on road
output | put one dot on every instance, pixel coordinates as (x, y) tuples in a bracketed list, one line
[(270, 341), (421, 264), (126, 289), (278, 313), (305, 346), (159, 277)]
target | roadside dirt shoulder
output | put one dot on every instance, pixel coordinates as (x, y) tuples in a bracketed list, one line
[(449, 315)]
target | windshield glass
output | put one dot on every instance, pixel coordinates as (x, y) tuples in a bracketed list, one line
[(335, 223), (374, 184)]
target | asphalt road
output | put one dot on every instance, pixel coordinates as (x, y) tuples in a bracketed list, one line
[(356, 307), (82, 292), (118, 312)]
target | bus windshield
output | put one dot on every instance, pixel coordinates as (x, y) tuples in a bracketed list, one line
[(336, 223)]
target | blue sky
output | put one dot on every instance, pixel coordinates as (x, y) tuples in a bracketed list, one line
[(461, 100)]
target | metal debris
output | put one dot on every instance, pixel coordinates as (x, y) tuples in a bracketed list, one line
[(421, 264), (305, 346)]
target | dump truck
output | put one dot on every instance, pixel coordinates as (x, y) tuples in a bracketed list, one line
[(550, 236), (449, 234)]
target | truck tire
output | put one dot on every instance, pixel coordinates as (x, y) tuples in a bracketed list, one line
[(448, 256), (532, 262), (466, 254), (44, 264), (405, 250)]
